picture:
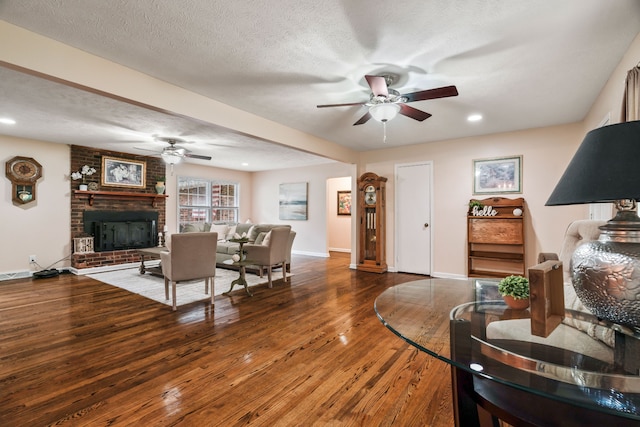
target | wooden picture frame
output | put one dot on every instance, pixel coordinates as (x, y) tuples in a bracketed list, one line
[(118, 172), (498, 175), (344, 203), (293, 201)]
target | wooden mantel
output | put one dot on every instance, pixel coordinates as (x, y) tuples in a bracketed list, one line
[(117, 195)]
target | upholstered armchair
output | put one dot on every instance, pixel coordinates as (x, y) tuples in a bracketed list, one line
[(192, 256), (272, 252), (578, 232), (292, 236)]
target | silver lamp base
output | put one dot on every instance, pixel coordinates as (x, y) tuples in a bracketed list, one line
[(606, 272)]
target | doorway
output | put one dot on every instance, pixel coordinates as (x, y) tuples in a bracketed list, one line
[(413, 217), (338, 223)]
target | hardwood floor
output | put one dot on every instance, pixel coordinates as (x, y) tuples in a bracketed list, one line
[(75, 351)]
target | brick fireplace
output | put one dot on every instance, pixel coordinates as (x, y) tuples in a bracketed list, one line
[(120, 203)]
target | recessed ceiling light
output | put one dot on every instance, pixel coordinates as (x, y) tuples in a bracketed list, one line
[(245, 164), (474, 117), (7, 121)]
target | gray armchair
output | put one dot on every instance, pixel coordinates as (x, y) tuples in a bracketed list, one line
[(192, 256), (271, 254), (292, 236)]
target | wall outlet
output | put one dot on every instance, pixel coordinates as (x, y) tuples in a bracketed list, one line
[(32, 258)]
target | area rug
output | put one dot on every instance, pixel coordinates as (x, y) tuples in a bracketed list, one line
[(152, 287)]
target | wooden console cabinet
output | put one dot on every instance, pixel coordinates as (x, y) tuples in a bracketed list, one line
[(496, 242)]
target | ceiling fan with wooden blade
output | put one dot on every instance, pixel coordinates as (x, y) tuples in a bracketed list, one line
[(384, 103)]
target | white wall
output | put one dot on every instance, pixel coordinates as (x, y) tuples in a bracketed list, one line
[(42, 227), (311, 238), (338, 226)]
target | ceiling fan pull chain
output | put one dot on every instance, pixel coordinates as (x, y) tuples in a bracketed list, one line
[(384, 131)]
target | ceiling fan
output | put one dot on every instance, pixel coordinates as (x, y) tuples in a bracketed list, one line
[(173, 153), (385, 103)]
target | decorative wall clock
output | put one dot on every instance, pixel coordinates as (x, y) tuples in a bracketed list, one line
[(23, 172)]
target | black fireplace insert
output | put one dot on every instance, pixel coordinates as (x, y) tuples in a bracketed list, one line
[(120, 230)]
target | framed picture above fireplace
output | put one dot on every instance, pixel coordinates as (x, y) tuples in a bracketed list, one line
[(123, 172)]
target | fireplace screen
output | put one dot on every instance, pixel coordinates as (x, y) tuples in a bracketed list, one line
[(119, 235), (114, 231)]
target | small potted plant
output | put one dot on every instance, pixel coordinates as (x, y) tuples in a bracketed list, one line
[(475, 204), (515, 291)]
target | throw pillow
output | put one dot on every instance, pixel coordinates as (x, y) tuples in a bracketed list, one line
[(221, 229), (231, 231), (190, 228), (260, 238), (252, 234), (265, 241)]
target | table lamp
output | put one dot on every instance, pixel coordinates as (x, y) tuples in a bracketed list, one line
[(606, 273)]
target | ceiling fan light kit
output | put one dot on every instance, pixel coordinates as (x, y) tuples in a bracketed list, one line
[(384, 112), (171, 157), (174, 154)]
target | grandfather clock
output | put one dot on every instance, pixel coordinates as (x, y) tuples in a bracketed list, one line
[(371, 231)]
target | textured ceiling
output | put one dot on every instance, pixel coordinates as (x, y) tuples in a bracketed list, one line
[(520, 63)]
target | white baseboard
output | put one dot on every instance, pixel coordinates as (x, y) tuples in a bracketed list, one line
[(316, 254), (448, 275), (24, 274), (348, 251), (389, 269)]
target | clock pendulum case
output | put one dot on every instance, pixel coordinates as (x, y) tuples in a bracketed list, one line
[(23, 172), (372, 223)]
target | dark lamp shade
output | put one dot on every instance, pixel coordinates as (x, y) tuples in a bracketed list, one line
[(605, 168)]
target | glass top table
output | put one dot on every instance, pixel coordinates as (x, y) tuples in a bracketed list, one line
[(586, 369)]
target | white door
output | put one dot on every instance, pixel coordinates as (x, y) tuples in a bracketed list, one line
[(413, 218)]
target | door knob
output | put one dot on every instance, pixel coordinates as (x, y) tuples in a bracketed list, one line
[(426, 225)]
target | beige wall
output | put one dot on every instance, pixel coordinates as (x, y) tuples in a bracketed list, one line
[(312, 234), (545, 152), (42, 227), (609, 101)]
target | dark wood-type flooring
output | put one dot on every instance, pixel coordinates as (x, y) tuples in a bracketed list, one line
[(74, 351)]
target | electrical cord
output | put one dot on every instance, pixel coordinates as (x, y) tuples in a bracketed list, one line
[(48, 272)]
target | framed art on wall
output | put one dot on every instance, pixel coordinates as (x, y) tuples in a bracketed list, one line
[(123, 172), (344, 202), (293, 201), (497, 175)]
